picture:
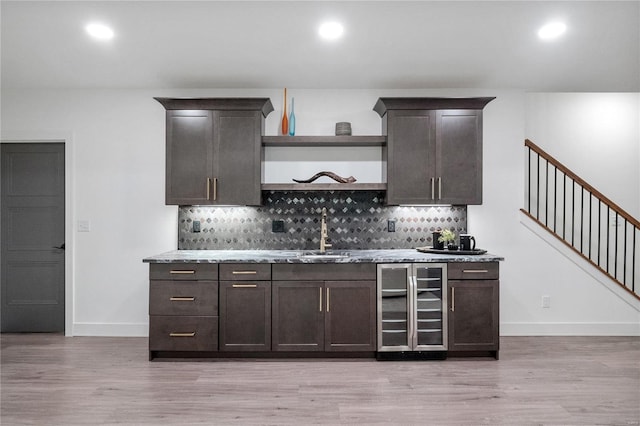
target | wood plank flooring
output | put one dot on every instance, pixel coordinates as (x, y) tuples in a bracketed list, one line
[(56, 380)]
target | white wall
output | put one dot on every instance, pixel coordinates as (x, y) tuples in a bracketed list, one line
[(118, 185)]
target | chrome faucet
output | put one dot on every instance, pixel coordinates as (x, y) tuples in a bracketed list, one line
[(323, 232)]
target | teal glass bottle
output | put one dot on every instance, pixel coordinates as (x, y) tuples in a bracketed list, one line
[(292, 120)]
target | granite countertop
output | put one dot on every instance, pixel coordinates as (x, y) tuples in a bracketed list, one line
[(294, 256)]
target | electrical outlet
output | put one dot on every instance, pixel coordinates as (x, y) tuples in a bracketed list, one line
[(196, 226), (391, 225), (277, 226), (546, 301)]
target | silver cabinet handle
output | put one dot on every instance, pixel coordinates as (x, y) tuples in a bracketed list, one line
[(244, 272), (244, 285), (215, 189), (475, 271), (433, 189), (328, 295), (182, 272), (208, 189), (320, 304), (439, 188), (182, 299)]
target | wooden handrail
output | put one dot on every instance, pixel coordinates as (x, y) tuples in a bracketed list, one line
[(558, 165)]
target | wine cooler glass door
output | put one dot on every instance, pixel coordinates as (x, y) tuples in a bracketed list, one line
[(395, 316), (430, 307)]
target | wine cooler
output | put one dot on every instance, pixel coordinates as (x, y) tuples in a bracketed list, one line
[(412, 311)]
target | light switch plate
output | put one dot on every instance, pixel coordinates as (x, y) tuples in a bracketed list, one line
[(196, 226)]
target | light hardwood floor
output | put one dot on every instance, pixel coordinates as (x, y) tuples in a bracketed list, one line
[(53, 380)]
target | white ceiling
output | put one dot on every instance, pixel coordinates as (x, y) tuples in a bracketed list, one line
[(265, 44)]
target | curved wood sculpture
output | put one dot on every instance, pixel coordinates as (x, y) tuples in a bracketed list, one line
[(332, 175)]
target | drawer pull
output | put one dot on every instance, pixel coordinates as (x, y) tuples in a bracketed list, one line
[(192, 334), (244, 272), (178, 272), (182, 299), (475, 271), (245, 285)]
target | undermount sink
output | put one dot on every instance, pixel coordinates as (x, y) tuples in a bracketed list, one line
[(320, 256)]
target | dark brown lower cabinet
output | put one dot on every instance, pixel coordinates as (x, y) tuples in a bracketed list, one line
[(324, 316), (183, 308), (245, 316), (350, 317), (474, 316)]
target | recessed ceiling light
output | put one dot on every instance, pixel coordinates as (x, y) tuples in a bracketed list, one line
[(331, 30), (552, 30), (99, 31)]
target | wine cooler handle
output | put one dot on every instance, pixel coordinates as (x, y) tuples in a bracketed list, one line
[(453, 299)]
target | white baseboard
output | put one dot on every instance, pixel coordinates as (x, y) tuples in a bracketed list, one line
[(110, 329), (570, 329)]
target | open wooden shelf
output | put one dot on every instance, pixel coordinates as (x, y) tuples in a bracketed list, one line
[(324, 186), (324, 140)]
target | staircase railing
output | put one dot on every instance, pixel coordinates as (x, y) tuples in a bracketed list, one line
[(582, 218)]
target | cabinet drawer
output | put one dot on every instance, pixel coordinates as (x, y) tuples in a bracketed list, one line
[(324, 271), (245, 271), (473, 271), (187, 333), (183, 271), (183, 298)]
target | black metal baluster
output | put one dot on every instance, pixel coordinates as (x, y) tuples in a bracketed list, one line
[(624, 264), (590, 222), (555, 198), (633, 261), (581, 218), (573, 211), (546, 194), (599, 227), (608, 237), (538, 189), (529, 182), (564, 205), (615, 251)]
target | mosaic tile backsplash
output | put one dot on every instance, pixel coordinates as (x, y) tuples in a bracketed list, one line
[(356, 220)]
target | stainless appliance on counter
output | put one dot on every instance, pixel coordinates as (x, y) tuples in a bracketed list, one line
[(412, 311)]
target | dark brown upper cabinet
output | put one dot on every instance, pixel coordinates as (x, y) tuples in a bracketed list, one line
[(433, 153), (214, 150)]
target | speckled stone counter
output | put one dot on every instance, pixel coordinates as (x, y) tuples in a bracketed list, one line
[(295, 256)]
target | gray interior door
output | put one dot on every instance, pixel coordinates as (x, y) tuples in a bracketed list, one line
[(32, 235)]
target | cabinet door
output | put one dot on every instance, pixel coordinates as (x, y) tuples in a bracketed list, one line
[(189, 156), (297, 316), (459, 156), (474, 315), (410, 157), (245, 316), (237, 157), (350, 318)]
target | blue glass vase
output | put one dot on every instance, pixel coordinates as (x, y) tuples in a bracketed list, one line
[(292, 121)]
